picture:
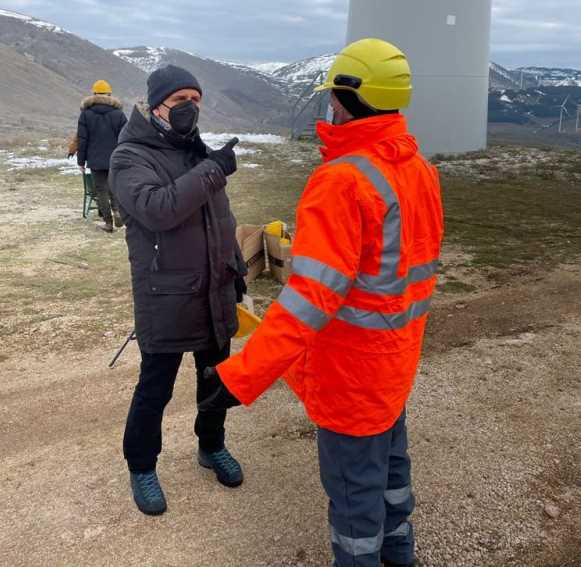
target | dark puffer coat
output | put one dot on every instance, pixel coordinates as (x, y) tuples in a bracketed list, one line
[(100, 124), (181, 239)]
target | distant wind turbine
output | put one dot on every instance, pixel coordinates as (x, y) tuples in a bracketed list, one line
[(564, 112)]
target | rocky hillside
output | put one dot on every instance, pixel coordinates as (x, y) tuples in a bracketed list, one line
[(77, 61), (33, 50), (538, 106), (27, 108)]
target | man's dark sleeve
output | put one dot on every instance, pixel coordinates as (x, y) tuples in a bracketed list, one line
[(121, 122), (158, 206), (240, 263), (83, 135)]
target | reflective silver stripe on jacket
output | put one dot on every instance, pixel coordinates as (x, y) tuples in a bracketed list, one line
[(303, 309), (356, 546), (387, 282), (322, 273), (383, 321)]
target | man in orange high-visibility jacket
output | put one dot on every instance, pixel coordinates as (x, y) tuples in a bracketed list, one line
[(346, 332)]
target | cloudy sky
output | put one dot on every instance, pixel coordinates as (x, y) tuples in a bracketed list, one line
[(525, 32)]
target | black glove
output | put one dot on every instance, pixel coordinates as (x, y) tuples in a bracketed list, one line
[(220, 398), (225, 157), (241, 288)]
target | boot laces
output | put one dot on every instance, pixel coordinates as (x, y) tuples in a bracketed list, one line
[(226, 461), (150, 486)]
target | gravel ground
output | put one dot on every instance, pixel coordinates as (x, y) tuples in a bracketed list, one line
[(494, 425)]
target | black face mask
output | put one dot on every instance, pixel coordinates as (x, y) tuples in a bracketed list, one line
[(183, 118)]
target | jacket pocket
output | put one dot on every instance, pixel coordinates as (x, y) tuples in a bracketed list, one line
[(180, 311), (175, 282)]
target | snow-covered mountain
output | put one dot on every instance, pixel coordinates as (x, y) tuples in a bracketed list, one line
[(554, 77), (148, 59), (531, 77), (302, 75), (233, 93), (46, 71), (47, 26), (268, 68)]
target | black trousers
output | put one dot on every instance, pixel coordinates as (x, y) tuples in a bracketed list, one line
[(142, 441), (105, 198)]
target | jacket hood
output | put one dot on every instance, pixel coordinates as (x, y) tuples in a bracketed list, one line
[(104, 100), (387, 135), (139, 130)]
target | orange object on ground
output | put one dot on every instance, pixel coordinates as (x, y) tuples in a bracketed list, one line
[(347, 330)]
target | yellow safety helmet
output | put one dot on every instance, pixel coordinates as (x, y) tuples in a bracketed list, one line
[(377, 71), (247, 322), (102, 87)]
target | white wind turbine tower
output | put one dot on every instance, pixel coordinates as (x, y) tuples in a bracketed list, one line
[(563, 112)]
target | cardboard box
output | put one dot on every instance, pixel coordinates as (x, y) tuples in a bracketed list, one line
[(279, 257), (250, 240)]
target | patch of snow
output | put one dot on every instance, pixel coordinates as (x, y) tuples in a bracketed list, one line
[(65, 166), (148, 59), (245, 151), (251, 165), (70, 171), (216, 140), (307, 69), (32, 21), (268, 68), (505, 98)]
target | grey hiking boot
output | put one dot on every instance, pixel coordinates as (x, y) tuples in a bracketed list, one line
[(227, 468), (106, 227), (117, 219), (147, 493)]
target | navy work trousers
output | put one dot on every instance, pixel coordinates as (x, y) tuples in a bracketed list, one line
[(368, 482)]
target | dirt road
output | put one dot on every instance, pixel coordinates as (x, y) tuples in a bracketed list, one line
[(494, 420)]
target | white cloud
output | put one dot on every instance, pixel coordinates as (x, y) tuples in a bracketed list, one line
[(537, 32)]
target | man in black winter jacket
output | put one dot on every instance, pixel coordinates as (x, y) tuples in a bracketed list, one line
[(100, 124), (187, 270)]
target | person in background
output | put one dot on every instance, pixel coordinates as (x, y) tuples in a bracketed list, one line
[(100, 123)]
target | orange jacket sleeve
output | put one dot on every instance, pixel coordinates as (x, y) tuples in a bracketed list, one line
[(326, 254)]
